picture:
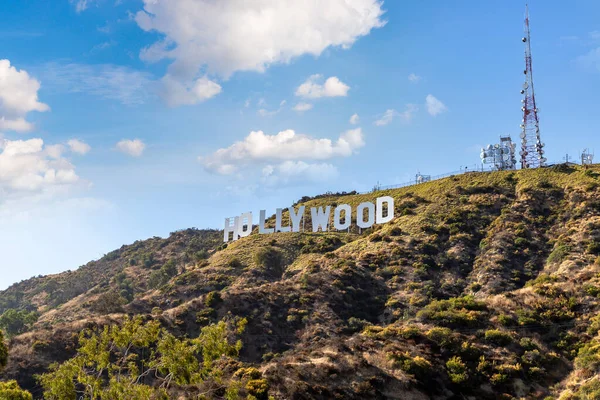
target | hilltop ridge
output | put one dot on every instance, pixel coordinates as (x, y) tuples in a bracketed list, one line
[(485, 285)]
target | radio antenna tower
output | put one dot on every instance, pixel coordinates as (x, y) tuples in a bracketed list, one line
[(532, 148)]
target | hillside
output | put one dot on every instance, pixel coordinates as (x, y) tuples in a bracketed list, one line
[(484, 286)]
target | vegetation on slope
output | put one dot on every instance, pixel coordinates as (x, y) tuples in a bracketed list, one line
[(485, 285)]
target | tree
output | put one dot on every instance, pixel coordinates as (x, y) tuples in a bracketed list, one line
[(3, 352), (140, 360), (15, 322)]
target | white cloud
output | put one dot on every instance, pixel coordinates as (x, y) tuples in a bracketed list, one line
[(414, 78), (591, 60), (17, 125), (434, 106), (18, 96), (301, 107), (387, 117), (263, 112), (81, 5), (176, 93), (134, 148), (79, 147), (354, 119), (595, 35), (258, 147), (107, 81), (297, 172), (229, 35), (390, 114), (332, 87), (408, 112), (27, 166), (225, 36)]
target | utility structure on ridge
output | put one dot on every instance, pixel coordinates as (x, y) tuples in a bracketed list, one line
[(532, 148)]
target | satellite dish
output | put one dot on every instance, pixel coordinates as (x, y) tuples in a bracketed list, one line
[(496, 146), (522, 135), (506, 157), (525, 85), (524, 40)]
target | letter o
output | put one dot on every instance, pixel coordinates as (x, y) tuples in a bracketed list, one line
[(360, 217), (337, 216)]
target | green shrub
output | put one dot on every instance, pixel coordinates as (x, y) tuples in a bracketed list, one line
[(498, 379), (443, 337), (270, 260), (258, 388), (559, 254), (356, 324), (212, 299), (455, 312), (594, 248), (498, 337), (457, 370), (506, 320), (588, 357), (590, 390), (15, 322), (11, 391), (235, 263), (592, 290), (3, 352), (417, 366)]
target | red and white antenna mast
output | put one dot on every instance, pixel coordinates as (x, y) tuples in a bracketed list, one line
[(532, 148)]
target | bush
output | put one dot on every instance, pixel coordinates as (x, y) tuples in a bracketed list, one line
[(108, 303), (559, 254), (258, 388), (235, 263), (457, 370), (3, 352), (455, 312), (11, 391), (417, 366), (163, 275), (270, 260), (506, 320), (212, 299), (443, 337), (15, 322), (356, 324), (498, 337), (588, 357)]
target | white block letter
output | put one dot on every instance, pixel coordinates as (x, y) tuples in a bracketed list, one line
[(245, 221), (230, 229), (296, 218), (360, 215), (261, 224), (337, 216), (320, 218), (278, 227), (390, 209)]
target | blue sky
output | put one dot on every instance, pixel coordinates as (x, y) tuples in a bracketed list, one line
[(112, 113)]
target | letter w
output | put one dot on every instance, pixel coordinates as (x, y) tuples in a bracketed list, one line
[(320, 218)]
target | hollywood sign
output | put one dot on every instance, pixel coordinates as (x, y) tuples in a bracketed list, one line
[(367, 214)]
